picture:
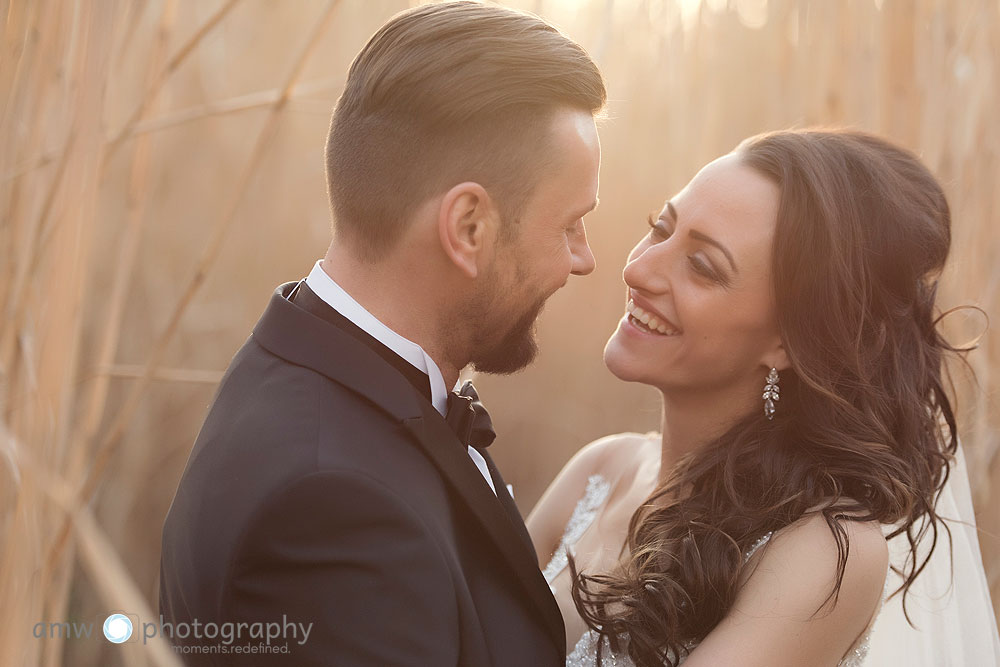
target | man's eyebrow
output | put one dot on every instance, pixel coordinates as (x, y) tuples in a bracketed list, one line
[(698, 236)]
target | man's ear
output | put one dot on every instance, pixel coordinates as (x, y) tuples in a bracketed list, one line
[(467, 227)]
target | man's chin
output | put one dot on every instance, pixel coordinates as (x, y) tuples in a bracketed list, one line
[(514, 350), (509, 357)]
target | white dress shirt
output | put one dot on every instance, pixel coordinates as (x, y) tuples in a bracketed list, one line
[(334, 295)]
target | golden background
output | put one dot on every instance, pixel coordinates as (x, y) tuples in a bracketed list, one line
[(162, 171)]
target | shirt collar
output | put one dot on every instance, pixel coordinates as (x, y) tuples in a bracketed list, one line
[(336, 297)]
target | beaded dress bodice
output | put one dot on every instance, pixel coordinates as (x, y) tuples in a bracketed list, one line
[(584, 654)]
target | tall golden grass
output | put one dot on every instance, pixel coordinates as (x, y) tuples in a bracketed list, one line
[(161, 171)]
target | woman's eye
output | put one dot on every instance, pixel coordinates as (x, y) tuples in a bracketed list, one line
[(657, 230), (703, 268)]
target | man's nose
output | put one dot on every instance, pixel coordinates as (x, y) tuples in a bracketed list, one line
[(583, 257)]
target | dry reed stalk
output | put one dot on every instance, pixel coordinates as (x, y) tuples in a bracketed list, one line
[(47, 355), (36, 358), (93, 405), (99, 558), (263, 98), (26, 168), (37, 236), (119, 591), (101, 454), (137, 196), (37, 85), (164, 374), (157, 82), (71, 235), (18, 583), (158, 78), (133, 16)]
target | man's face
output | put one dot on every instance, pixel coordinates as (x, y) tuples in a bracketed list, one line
[(550, 243)]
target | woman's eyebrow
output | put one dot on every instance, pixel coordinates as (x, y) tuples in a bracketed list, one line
[(698, 236)]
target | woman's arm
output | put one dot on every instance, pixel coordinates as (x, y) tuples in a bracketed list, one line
[(777, 621)]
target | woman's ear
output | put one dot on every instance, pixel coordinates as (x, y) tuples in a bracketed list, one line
[(777, 357), (467, 227)]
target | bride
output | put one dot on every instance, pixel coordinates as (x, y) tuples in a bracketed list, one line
[(783, 305)]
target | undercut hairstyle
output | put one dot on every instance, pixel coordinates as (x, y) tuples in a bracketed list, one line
[(444, 94)]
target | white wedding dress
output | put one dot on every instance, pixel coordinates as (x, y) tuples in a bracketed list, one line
[(956, 629), (953, 615)]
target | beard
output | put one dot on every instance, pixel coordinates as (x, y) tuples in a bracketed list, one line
[(514, 349)]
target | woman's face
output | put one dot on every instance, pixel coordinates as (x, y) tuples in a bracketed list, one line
[(702, 279)]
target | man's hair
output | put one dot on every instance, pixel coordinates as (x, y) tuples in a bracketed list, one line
[(443, 94)]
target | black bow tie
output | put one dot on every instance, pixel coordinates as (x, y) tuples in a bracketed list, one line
[(468, 418)]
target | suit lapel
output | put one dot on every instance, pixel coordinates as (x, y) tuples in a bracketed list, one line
[(509, 506), (441, 445), (304, 339)]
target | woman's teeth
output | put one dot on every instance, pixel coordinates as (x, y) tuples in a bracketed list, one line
[(644, 320)]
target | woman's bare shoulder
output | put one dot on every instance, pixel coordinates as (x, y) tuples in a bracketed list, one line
[(801, 565), (811, 539), (608, 457), (786, 612), (612, 455)]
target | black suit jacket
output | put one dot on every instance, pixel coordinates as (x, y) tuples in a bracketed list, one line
[(324, 488)]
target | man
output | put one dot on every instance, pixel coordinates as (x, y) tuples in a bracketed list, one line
[(336, 481)]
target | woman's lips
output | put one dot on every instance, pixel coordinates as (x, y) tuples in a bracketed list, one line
[(650, 322)]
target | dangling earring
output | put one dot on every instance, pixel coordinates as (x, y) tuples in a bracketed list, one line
[(771, 393)]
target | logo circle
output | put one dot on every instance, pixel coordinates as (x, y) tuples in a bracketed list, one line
[(117, 628)]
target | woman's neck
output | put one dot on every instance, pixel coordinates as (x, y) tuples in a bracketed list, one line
[(691, 421)]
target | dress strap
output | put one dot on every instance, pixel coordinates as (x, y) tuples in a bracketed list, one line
[(583, 515), (761, 541)]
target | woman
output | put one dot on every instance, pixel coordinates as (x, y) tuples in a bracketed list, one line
[(783, 305)]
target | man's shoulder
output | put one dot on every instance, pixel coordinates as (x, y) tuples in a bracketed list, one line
[(273, 421), (260, 386)]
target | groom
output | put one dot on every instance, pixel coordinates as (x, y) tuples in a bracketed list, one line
[(336, 482)]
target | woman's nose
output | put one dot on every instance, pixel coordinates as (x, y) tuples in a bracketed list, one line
[(645, 269)]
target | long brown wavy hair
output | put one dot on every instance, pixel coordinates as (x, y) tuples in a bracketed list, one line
[(864, 427)]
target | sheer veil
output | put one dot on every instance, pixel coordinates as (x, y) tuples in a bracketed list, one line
[(955, 623)]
